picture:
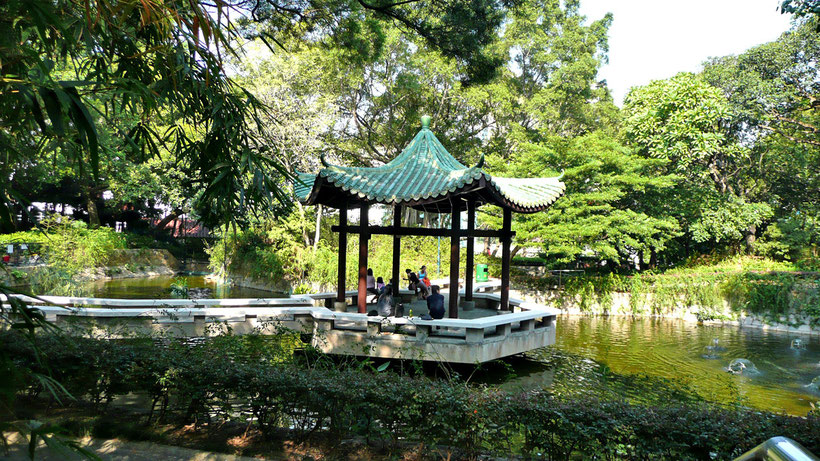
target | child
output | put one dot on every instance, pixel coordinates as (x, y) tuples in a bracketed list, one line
[(423, 276), (380, 285)]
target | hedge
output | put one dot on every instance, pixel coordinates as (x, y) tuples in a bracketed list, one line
[(247, 380)]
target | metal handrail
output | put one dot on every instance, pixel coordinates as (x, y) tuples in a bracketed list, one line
[(778, 449)]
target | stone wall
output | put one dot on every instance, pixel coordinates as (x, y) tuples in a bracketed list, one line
[(240, 280), (135, 263), (242, 275), (621, 306)]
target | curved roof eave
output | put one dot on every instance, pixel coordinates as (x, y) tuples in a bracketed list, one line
[(424, 175)]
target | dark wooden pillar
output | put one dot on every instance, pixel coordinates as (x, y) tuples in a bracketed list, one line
[(394, 276), (363, 237), (452, 304), (469, 270), (340, 283), (506, 239)]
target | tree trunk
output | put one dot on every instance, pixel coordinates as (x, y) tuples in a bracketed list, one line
[(174, 214), (515, 250), (750, 238), (93, 212), (302, 224)]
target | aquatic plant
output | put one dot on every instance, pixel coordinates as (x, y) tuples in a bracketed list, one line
[(179, 287)]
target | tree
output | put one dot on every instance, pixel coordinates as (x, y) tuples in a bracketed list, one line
[(801, 8), (687, 122), (604, 213), (553, 84), (773, 92), (461, 30)]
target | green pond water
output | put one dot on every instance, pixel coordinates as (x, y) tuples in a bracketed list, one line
[(160, 287), (642, 359), (637, 357)]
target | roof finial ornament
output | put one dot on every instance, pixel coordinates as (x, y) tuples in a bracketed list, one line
[(480, 163), (425, 121), (324, 161)]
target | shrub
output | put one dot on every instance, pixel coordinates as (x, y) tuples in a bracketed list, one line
[(246, 252), (69, 245), (249, 380)]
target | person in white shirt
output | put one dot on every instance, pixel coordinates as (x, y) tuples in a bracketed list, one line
[(371, 283)]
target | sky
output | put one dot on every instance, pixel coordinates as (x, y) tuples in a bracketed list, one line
[(656, 39)]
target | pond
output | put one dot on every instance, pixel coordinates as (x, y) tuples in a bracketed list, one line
[(160, 287), (640, 358), (661, 352)]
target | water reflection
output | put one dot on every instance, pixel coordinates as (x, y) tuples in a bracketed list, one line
[(160, 287)]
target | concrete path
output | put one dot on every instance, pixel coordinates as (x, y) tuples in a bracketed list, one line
[(114, 450)]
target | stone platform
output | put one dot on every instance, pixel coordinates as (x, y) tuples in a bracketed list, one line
[(481, 334)]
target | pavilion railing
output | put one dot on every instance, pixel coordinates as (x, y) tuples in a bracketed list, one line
[(528, 326)]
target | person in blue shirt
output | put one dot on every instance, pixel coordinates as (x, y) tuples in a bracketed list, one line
[(435, 303)]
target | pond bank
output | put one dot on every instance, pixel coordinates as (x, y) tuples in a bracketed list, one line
[(621, 304), (122, 264)]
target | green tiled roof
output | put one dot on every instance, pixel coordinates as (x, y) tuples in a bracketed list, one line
[(426, 176)]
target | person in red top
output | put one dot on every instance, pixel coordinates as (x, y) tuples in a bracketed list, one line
[(416, 285)]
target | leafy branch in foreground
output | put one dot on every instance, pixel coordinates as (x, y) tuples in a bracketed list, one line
[(163, 62), (17, 315)]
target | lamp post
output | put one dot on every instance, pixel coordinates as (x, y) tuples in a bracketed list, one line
[(439, 257)]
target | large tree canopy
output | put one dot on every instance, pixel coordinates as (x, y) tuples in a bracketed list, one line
[(686, 122), (607, 212), (69, 70)]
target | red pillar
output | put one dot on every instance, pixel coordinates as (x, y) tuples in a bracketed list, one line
[(452, 304), (506, 239), (340, 284), (363, 237)]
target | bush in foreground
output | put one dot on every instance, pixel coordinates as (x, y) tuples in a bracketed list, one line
[(247, 381)]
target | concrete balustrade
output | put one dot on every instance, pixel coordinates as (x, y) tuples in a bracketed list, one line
[(474, 340)]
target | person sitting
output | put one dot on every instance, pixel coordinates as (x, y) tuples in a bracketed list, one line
[(386, 304), (380, 285), (371, 285), (416, 285), (424, 286), (412, 281), (435, 303)]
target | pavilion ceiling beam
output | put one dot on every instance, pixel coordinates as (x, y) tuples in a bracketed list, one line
[(424, 232)]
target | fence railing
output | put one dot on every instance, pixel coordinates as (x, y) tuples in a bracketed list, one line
[(778, 449)]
